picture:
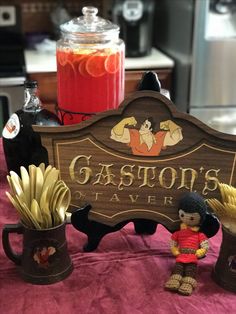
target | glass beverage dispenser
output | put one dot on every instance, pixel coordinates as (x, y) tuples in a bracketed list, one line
[(90, 66)]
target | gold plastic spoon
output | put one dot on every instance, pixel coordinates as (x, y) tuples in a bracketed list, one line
[(32, 175), (18, 189), (47, 171), (39, 181), (56, 197), (56, 219), (59, 184), (51, 179), (10, 184), (63, 203), (36, 212), (42, 167), (14, 175), (23, 216), (44, 205), (28, 212), (26, 184)]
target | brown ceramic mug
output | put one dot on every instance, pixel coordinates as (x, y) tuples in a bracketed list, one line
[(44, 258), (224, 272)]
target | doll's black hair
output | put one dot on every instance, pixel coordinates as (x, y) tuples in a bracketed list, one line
[(194, 203)]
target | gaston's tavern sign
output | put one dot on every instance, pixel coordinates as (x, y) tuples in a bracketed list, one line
[(135, 162)]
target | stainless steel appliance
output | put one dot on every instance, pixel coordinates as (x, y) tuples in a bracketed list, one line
[(135, 18), (12, 62), (201, 38)]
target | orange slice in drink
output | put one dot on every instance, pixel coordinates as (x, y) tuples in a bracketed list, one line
[(70, 57), (70, 69), (112, 63), (95, 65), (61, 57), (80, 54), (82, 68)]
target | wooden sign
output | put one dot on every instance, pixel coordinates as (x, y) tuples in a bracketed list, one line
[(137, 161)]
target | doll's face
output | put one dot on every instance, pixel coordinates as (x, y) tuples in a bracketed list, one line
[(190, 219)]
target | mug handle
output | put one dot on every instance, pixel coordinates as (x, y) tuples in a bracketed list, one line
[(11, 228)]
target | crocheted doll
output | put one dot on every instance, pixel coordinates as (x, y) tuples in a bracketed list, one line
[(191, 242)]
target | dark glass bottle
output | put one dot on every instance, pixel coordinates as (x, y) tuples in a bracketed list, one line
[(22, 146)]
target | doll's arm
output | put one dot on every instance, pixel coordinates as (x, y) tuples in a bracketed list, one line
[(204, 246), (174, 248)]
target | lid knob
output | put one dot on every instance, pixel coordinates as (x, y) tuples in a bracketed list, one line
[(90, 17), (90, 13)]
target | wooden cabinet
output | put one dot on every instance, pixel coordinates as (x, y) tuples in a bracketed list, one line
[(48, 83)]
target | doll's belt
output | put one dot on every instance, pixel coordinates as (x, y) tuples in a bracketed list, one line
[(187, 251)]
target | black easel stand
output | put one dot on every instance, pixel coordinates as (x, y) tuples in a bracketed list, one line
[(95, 230)]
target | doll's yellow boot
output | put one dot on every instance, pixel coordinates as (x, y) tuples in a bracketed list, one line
[(187, 286), (174, 282)]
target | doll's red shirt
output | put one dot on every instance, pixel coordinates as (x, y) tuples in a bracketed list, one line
[(188, 239)]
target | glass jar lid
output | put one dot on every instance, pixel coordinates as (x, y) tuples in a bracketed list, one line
[(90, 24)]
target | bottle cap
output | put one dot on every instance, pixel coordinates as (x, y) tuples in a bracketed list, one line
[(31, 84)]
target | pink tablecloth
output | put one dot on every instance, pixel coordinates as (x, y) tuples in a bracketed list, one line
[(125, 275)]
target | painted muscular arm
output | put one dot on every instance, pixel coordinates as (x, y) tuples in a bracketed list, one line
[(120, 133), (173, 134)]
